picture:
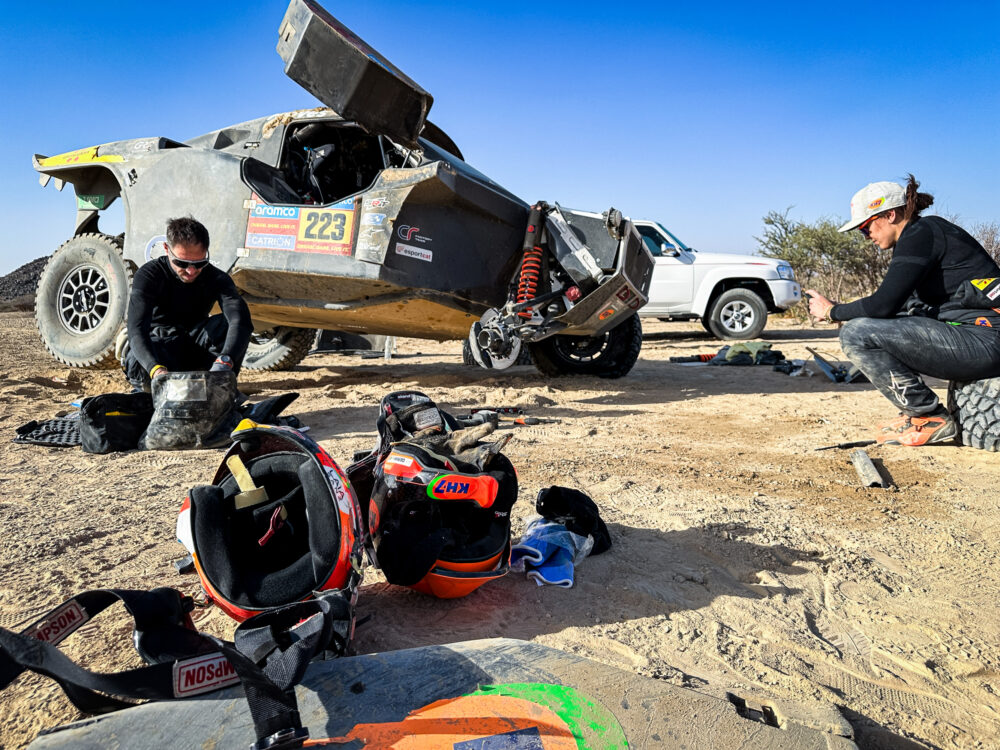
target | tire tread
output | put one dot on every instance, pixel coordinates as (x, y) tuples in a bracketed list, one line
[(105, 359), (975, 405)]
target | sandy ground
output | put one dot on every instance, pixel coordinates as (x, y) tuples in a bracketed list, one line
[(743, 560)]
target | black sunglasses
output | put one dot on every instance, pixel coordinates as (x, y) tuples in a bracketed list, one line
[(182, 264)]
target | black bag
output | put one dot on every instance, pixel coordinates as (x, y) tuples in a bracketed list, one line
[(114, 421)]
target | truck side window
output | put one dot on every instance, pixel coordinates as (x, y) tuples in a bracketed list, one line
[(653, 240)]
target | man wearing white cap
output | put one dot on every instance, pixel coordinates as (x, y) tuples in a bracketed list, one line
[(957, 334)]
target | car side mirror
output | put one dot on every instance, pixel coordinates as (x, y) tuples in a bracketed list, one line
[(669, 250)]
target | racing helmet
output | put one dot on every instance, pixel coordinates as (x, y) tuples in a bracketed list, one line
[(279, 522), (440, 525)]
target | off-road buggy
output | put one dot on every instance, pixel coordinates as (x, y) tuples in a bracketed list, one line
[(361, 217)]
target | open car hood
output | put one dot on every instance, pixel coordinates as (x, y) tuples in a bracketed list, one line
[(341, 70)]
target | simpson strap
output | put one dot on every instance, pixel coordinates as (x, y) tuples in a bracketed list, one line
[(269, 656)]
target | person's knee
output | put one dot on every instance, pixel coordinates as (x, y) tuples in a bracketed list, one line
[(853, 335)]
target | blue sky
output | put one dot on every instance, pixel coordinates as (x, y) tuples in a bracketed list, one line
[(702, 115)]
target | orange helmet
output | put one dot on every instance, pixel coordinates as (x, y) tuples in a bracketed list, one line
[(279, 522)]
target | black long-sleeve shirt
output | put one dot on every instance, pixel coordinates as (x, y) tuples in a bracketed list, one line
[(931, 259), (160, 298)]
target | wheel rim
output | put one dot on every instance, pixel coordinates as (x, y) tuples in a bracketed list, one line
[(737, 316), (582, 349), (84, 299)]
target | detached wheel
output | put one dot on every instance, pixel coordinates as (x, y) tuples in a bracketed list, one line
[(611, 355), (278, 348), (976, 408), (737, 314), (81, 300)]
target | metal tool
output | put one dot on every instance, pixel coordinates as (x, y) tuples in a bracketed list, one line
[(854, 444), (836, 373)]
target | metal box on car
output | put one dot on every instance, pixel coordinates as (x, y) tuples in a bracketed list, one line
[(342, 71)]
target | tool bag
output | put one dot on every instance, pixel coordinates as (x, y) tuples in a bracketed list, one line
[(114, 421), (439, 499), (279, 522), (269, 655), (192, 410)]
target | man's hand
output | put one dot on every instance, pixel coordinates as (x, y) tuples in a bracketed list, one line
[(158, 372), (819, 306)]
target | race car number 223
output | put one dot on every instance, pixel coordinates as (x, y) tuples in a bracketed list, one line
[(320, 228)]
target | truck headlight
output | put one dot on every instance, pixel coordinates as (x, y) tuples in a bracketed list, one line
[(786, 272)]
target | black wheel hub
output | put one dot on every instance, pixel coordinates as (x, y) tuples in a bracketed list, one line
[(84, 299), (582, 349)]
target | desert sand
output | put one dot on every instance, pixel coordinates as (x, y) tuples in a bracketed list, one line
[(743, 559)]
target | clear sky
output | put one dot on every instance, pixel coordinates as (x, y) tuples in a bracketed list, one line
[(704, 116)]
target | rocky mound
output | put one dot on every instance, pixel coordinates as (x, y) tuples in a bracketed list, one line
[(17, 288)]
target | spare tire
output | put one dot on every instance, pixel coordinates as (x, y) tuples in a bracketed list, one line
[(976, 408), (278, 348), (81, 300)]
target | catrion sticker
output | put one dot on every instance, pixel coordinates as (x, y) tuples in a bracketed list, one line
[(64, 621), (202, 674)]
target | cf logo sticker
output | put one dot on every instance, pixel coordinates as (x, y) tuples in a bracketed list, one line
[(406, 232)]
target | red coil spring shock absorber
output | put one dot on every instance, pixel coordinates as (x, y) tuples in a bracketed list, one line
[(531, 259)]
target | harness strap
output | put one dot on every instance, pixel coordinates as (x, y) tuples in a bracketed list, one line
[(271, 653)]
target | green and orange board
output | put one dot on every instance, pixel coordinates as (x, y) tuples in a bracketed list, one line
[(496, 694)]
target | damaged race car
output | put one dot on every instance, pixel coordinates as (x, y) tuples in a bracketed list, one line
[(360, 216)]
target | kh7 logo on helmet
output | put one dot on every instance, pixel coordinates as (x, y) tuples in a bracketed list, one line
[(876, 203), (406, 232), (480, 488)]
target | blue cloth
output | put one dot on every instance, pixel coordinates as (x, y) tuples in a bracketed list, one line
[(548, 552)]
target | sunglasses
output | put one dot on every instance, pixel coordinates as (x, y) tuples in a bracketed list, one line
[(865, 227), (183, 264)]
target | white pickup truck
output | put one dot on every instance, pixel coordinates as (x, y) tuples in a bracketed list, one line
[(731, 293)]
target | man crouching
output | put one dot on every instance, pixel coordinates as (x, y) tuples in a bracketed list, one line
[(169, 327)]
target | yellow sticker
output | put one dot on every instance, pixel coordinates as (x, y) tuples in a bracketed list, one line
[(325, 230), (80, 156), (981, 283)]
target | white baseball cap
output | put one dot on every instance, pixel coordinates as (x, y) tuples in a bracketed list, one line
[(874, 199)]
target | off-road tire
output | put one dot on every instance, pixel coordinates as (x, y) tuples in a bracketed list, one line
[(737, 315), (610, 355), (82, 300), (278, 348), (976, 408)]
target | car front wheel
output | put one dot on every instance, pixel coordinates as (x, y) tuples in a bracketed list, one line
[(737, 314), (81, 300)]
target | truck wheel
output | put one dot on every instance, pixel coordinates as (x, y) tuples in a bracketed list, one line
[(610, 355), (976, 408), (278, 348), (81, 300), (738, 314)]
